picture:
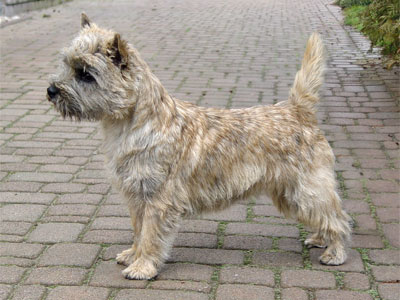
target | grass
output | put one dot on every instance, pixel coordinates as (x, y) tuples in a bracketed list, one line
[(353, 16)]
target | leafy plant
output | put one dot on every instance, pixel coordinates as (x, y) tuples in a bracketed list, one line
[(349, 3), (353, 16), (381, 22)]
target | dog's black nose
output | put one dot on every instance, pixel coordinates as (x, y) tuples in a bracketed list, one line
[(52, 91)]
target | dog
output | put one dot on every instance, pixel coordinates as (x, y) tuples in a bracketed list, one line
[(171, 159)]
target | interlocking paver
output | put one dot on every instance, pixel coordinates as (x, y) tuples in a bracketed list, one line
[(78, 293), (78, 255), (31, 292), (159, 295), (56, 276), (238, 292), (247, 275), (389, 291), (307, 279), (57, 208), (294, 294), (56, 232), (108, 274)]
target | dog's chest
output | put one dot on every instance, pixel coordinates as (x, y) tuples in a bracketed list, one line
[(134, 158)]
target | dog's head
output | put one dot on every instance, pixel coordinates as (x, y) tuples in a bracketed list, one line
[(100, 75)]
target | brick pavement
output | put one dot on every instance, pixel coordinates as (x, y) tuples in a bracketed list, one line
[(62, 224)]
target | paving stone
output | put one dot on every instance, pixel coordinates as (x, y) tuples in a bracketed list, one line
[(293, 294), (247, 275), (65, 219), (356, 281), (179, 271), (109, 237), (11, 274), (307, 279), (109, 274), (21, 212), (20, 249), (366, 241), (388, 214), (385, 199), (389, 291), (40, 177), (31, 292), (392, 234), (290, 244), (77, 255), (71, 209), (112, 251), (233, 213), (181, 285), (18, 228), (262, 229), (78, 293), (113, 211), (247, 242), (285, 259), (199, 226), (240, 291), (386, 273), (31, 198), (198, 240), (206, 256), (385, 256), (365, 223), (266, 210), (159, 295), (356, 206), (4, 291), (63, 188), (56, 276), (112, 223), (80, 198), (20, 262), (353, 262), (348, 295), (56, 232)]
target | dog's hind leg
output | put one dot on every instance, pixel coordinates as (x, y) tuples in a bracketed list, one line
[(315, 203)]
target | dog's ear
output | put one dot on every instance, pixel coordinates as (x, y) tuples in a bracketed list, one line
[(85, 21), (118, 51)]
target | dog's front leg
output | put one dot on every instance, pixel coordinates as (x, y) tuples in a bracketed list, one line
[(126, 257), (154, 242)]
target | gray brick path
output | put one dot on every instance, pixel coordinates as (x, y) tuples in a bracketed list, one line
[(62, 224)]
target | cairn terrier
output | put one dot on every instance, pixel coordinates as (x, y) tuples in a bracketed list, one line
[(172, 159)]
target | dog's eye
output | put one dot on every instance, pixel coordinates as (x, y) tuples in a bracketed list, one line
[(85, 76)]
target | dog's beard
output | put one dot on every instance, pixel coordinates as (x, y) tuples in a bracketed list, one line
[(69, 105)]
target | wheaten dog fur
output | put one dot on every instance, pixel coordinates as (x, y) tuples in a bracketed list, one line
[(172, 159)]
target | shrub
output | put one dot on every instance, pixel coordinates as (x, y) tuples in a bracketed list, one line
[(381, 22), (348, 3), (353, 16)]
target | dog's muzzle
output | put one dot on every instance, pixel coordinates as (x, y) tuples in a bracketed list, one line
[(52, 92)]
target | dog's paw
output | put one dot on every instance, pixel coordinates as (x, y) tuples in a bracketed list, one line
[(140, 270), (311, 243), (125, 257), (332, 260)]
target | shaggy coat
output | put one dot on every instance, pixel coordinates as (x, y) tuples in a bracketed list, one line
[(172, 159)]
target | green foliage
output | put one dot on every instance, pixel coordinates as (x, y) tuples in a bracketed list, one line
[(381, 22), (353, 16), (348, 3)]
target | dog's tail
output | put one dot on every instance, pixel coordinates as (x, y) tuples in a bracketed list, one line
[(309, 78)]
